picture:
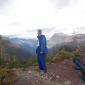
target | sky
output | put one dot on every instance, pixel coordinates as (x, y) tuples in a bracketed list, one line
[(22, 18)]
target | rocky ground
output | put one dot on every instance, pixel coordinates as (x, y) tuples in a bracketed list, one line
[(61, 73)]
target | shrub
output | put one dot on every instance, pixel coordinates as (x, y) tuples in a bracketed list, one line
[(76, 53), (5, 79), (61, 55)]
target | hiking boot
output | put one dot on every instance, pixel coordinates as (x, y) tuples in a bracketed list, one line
[(42, 72), (45, 71)]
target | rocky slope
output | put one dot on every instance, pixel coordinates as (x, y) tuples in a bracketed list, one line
[(61, 73)]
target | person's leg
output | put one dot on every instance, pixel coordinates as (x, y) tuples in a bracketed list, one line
[(39, 61), (43, 62)]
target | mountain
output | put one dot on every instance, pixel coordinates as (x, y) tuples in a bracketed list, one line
[(27, 44), (60, 38), (80, 37), (9, 49), (68, 42), (57, 41)]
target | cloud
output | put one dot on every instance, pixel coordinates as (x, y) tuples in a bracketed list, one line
[(80, 29), (63, 3), (24, 17), (5, 6), (14, 24), (3, 3)]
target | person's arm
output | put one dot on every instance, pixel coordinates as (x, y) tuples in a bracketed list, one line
[(43, 44)]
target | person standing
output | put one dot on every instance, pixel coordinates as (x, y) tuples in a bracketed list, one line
[(41, 51)]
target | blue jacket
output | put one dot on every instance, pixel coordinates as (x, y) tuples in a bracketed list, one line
[(42, 44)]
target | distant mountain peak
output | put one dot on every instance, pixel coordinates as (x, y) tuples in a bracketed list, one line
[(60, 34)]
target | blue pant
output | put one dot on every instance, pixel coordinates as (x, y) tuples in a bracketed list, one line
[(42, 61)]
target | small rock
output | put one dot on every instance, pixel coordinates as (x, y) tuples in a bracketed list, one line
[(29, 72), (67, 83), (57, 77)]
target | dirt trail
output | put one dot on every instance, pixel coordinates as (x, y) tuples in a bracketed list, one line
[(61, 73)]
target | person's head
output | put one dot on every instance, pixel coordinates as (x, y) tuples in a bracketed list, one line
[(39, 32)]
